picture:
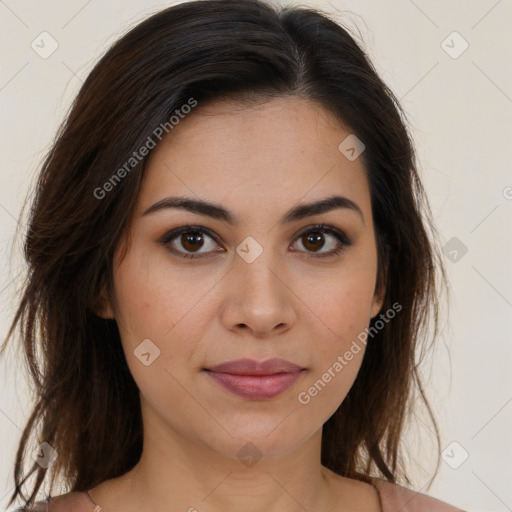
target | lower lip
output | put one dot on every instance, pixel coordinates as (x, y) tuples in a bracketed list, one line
[(256, 387)]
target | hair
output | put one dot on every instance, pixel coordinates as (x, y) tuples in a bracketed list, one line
[(87, 404)]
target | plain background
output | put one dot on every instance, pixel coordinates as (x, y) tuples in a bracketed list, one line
[(459, 108)]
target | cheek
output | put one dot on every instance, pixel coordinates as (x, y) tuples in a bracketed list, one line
[(342, 302), (159, 304), (153, 297), (344, 316), (148, 316), (341, 309)]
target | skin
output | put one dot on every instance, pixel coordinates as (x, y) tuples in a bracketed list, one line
[(257, 162)]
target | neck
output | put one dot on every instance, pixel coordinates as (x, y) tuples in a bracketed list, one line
[(175, 473)]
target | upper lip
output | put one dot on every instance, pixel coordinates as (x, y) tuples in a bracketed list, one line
[(253, 367)]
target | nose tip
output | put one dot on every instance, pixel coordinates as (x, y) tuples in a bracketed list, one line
[(257, 299)]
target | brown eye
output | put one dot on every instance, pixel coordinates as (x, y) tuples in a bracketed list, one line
[(313, 241), (191, 241), (188, 241), (322, 236)]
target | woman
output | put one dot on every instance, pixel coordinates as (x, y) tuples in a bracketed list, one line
[(229, 274)]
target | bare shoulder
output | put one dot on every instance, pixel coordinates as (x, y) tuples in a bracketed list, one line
[(396, 497), (69, 502), (356, 495)]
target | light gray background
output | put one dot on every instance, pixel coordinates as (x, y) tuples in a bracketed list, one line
[(460, 113)]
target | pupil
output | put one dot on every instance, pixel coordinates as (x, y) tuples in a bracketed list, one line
[(313, 238), (192, 240)]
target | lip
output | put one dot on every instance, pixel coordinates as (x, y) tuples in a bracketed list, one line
[(253, 367), (256, 380)]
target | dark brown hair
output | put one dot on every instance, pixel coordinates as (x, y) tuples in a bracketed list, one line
[(87, 405)]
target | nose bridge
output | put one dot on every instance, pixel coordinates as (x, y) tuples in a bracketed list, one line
[(257, 296), (258, 267)]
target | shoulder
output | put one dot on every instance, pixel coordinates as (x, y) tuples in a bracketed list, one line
[(396, 497), (70, 502)]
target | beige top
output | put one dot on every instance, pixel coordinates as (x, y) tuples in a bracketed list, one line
[(393, 498)]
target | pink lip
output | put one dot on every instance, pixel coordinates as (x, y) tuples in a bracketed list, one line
[(254, 379)]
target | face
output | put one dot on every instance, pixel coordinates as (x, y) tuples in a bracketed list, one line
[(250, 280)]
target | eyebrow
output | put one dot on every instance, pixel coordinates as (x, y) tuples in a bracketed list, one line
[(218, 212)]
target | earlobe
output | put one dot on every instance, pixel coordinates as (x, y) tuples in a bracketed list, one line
[(103, 307), (105, 312), (379, 293), (377, 302), (376, 307)]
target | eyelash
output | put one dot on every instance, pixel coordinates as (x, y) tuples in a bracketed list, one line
[(342, 238)]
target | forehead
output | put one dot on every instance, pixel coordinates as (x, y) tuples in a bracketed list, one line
[(260, 156)]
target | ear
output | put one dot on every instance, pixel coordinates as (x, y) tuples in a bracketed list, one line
[(378, 299), (103, 306), (379, 293)]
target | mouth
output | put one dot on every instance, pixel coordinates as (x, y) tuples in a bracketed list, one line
[(256, 380), (256, 387)]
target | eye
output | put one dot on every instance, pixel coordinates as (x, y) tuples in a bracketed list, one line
[(190, 238), (187, 241), (314, 240)]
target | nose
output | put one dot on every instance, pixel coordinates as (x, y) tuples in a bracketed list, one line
[(258, 299)]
